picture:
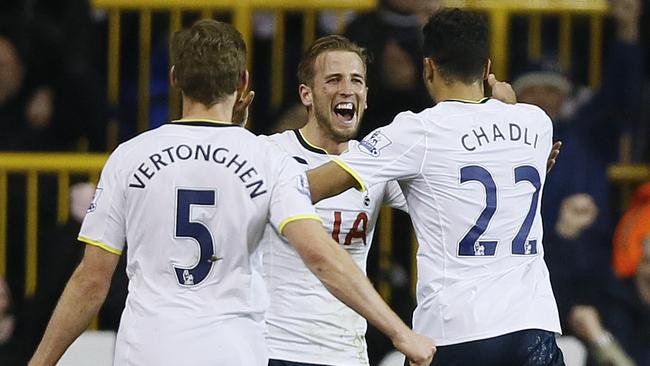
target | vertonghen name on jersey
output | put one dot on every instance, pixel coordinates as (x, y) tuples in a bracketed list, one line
[(218, 155), (479, 137)]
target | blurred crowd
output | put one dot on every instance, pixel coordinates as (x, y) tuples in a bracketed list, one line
[(52, 98)]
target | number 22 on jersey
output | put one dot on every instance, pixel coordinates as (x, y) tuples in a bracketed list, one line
[(471, 244)]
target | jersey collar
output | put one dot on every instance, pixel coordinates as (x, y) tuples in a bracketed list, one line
[(303, 141), (203, 122), (481, 101)]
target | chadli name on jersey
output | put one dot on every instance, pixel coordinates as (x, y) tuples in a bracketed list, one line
[(219, 155), (479, 137)]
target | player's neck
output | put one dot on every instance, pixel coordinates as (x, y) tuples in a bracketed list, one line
[(459, 91), (318, 137), (221, 111)]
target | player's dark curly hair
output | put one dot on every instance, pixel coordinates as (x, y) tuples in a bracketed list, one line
[(209, 59), (457, 42)]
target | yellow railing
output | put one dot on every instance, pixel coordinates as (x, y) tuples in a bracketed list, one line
[(32, 166), (499, 13), (242, 18)]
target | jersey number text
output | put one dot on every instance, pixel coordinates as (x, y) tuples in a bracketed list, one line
[(185, 228), (470, 244)]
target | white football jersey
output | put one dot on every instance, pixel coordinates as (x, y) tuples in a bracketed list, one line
[(192, 199), (305, 322), (472, 174)]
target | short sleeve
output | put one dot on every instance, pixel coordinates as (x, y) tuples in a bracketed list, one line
[(104, 225), (392, 152), (290, 198), (394, 197)]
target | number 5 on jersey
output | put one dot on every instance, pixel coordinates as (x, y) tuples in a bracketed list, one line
[(186, 228), (471, 244)]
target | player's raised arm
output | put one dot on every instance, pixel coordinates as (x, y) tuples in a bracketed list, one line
[(343, 278), (329, 180), (83, 296)]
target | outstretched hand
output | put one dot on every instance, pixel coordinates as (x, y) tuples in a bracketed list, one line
[(240, 109), (501, 90)]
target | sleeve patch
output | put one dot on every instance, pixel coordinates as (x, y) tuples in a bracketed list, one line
[(95, 201), (374, 143), (302, 184)]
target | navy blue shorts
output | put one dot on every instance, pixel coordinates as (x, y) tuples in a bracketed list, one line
[(290, 363), (531, 347)]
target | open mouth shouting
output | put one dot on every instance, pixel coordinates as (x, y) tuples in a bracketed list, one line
[(345, 112)]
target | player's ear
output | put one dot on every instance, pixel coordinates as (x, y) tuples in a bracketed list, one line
[(428, 70), (173, 80), (306, 96), (486, 69), (243, 84)]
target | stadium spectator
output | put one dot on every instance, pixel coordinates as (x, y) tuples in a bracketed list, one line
[(24, 109), (392, 35), (576, 207), (58, 101), (471, 178), (7, 321), (206, 297)]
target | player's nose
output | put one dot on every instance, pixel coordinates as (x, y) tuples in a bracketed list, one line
[(346, 87)]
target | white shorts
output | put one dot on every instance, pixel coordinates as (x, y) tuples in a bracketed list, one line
[(232, 342)]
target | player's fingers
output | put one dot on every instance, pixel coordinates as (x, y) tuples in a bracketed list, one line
[(248, 99), (551, 161), (492, 80), (557, 147)]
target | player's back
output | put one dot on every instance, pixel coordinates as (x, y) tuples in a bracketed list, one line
[(198, 199), (194, 198), (476, 207)]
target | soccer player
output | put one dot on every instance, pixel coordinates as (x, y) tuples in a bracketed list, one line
[(192, 199), (472, 170), (306, 324)]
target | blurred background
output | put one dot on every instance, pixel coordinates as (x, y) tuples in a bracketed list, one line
[(77, 77)]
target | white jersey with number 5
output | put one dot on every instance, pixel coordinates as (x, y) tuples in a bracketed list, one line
[(305, 322), (192, 200), (472, 174)]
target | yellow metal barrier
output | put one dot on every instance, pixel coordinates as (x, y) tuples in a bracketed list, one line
[(499, 13), (32, 166)]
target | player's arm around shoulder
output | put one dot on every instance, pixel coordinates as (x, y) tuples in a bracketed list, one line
[(81, 299), (342, 277), (329, 180)]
